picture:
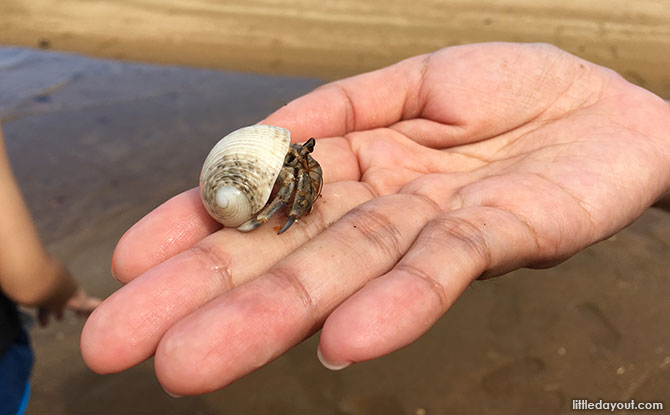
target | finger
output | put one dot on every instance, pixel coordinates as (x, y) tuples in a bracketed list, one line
[(371, 100), (182, 221), (397, 308), (84, 305), (43, 317), (126, 328), (496, 229), (167, 230), (91, 304), (244, 329), (471, 92)]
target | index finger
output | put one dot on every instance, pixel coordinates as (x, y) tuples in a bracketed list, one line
[(362, 102), (457, 95)]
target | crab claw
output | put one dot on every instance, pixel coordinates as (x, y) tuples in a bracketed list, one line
[(289, 222)]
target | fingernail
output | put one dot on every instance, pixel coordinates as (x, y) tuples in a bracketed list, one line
[(330, 365), (170, 393)]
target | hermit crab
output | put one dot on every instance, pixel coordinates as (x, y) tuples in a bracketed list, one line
[(248, 166)]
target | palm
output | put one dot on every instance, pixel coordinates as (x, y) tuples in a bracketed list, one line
[(475, 161), (564, 151)]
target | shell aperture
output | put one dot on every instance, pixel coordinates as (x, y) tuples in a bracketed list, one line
[(240, 171)]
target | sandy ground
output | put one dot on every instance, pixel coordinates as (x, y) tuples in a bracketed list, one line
[(97, 144), (338, 38)]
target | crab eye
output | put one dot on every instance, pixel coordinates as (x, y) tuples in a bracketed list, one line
[(290, 157), (310, 144)]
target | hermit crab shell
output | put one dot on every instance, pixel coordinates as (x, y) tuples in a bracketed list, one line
[(240, 172)]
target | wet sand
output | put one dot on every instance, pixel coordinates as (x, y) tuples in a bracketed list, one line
[(97, 144)]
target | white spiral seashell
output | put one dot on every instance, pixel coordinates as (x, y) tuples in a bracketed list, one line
[(240, 171)]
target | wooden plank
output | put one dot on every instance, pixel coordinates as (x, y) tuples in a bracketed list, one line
[(337, 38)]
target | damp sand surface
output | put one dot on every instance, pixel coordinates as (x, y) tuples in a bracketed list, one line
[(97, 144)]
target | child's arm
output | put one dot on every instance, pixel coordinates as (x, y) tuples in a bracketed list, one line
[(28, 274)]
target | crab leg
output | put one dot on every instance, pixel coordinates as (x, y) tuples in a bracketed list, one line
[(302, 202), (283, 196)]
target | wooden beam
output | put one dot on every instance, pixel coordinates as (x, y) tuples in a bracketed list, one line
[(337, 38)]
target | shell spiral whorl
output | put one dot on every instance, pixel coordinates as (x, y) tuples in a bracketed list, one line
[(240, 171)]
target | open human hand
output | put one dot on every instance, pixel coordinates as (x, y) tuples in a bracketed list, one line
[(466, 163)]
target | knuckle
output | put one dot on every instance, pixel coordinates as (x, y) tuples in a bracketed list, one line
[(448, 228), (438, 289), (378, 229), (350, 108), (288, 279), (428, 200), (215, 260)]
